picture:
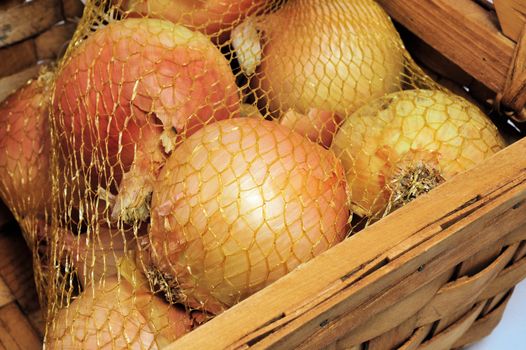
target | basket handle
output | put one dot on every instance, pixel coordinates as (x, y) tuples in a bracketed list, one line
[(514, 93)]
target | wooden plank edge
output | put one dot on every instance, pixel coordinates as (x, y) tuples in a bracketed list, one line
[(327, 272), (512, 17), (462, 31)]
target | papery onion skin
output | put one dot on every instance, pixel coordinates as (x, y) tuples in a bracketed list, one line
[(112, 316), (331, 55), (240, 204), (317, 126), (212, 17), (128, 82), (25, 182), (440, 129)]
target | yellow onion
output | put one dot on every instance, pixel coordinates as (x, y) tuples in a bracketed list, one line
[(25, 182), (240, 204), (321, 56), (212, 17), (96, 255), (317, 126), (407, 142), (117, 314), (127, 94)]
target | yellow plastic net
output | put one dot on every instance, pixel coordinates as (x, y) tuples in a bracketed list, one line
[(200, 150)]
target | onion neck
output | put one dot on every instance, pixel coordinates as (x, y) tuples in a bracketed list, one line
[(246, 41), (132, 203)]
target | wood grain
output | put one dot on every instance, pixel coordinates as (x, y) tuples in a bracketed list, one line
[(512, 17), (52, 43), (72, 8), (16, 269), (16, 333), (9, 84), (14, 23), (20, 56), (462, 31)]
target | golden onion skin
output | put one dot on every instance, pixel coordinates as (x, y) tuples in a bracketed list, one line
[(441, 129), (240, 204), (114, 316), (215, 18), (330, 55)]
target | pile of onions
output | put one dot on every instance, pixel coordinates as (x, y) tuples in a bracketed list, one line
[(407, 142), (125, 97), (324, 59), (241, 203), (118, 313), (215, 18), (25, 183)]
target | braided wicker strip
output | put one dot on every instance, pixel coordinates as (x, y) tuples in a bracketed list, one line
[(444, 315)]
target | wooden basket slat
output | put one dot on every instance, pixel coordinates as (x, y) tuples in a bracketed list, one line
[(417, 338), (315, 304), (9, 84), (19, 56), (72, 9), (14, 23), (400, 311), (311, 305), (508, 277), (6, 296), (462, 31), (52, 43), (512, 17), (448, 337), (478, 262), (391, 339), (16, 269), (16, 333), (483, 326), (399, 291)]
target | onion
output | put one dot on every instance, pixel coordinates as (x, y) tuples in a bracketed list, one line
[(25, 183), (95, 255), (330, 56), (240, 204), (318, 126), (215, 18), (405, 143), (118, 314), (125, 97)]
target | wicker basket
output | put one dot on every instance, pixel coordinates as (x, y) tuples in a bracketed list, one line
[(437, 274)]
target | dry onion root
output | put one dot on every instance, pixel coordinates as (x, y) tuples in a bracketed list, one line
[(119, 313), (128, 94), (403, 144), (240, 204), (321, 59), (215, 18)]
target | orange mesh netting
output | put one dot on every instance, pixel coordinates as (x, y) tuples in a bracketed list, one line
[(200, 150)]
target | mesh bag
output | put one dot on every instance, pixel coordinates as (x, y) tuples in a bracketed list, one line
[(200, 150)]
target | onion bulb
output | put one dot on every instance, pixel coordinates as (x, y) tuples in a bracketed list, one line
[(117, 314), (128, 93), (95, 255), (240, 204), (405, 143), (215, 18), (320, 56), (25, 183)]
